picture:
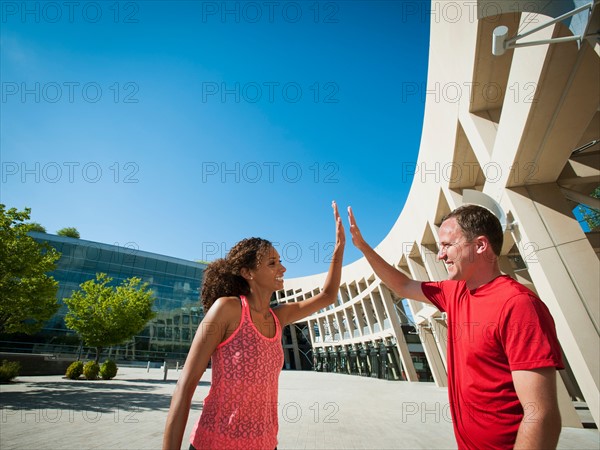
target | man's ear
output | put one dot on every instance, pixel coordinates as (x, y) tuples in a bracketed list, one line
[(483, 244)]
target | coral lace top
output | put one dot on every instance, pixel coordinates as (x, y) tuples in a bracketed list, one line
[(240, 411)]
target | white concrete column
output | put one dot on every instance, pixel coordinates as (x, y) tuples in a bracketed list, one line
[(437, 272), (295, 350), (405, 358), (434, 359), (321, 329), (430, 346), (560, 261), (358, 313), (378, 308), (368, 313), (311, 331), (439, 328), (349, 321)]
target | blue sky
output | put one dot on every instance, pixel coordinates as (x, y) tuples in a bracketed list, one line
[(181, 127)]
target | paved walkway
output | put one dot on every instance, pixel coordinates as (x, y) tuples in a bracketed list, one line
[(316, 410)]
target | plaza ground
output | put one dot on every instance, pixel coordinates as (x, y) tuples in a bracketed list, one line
[(316, 411)]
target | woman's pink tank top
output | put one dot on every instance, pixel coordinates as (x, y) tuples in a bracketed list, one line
[(240, 410)]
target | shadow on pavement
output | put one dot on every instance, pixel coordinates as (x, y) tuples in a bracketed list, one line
[(93, 396)]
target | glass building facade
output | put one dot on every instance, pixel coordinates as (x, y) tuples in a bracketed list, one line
[(174, 282), (176, 285)]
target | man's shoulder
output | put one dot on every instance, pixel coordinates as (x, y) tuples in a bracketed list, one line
[(513, 288), (444, 286), (446, 283), (518, 297)]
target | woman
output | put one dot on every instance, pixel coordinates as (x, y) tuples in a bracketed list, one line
[(242, 334)]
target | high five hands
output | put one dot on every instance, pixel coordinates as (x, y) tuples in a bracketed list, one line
[(357, 238)]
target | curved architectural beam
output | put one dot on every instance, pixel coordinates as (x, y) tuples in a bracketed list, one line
[(507, 127)]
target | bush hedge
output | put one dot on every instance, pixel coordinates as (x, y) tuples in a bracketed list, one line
[(75, 370), (91, 370), (9, 370), (108, 369)]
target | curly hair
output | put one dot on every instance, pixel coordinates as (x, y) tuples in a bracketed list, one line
[(222, 277), (475, 220)]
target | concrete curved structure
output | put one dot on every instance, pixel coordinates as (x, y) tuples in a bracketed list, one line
[(511, 130)]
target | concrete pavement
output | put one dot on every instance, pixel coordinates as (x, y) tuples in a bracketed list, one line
[(316, 411)]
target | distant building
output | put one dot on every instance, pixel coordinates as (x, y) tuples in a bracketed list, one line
[(175, 283)]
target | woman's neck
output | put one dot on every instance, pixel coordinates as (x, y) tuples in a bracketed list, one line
[(259, 302)]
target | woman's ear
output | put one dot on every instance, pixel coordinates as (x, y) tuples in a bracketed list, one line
[(244, 272)]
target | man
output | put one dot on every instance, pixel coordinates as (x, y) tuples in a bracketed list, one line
[(503, 352)]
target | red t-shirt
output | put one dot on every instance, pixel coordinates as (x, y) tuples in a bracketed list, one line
[(492, 330)]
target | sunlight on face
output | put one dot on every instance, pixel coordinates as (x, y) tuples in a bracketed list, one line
[(455, 251), (269, 271)]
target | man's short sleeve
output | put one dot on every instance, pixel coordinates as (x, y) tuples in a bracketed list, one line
[(528, 334), (434, 291)]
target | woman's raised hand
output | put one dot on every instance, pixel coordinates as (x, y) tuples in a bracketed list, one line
[(340, 234)]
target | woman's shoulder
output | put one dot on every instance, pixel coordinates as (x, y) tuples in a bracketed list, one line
[(227, 306), (225, 313)]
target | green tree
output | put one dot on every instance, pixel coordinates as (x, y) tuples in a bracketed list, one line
[(34, 226), (27, 294), (105, 315), (69, 232)]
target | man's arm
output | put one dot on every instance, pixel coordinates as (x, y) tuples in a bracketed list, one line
[(391, 277), (541, 424)]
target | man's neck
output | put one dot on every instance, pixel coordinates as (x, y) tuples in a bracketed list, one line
[(483, 277)]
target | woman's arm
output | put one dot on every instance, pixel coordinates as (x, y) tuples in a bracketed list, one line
[(291, 312), (209, 335)]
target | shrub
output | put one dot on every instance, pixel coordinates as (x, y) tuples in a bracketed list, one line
[(9, 370), (75, 370), (108, 369), (90, 370)]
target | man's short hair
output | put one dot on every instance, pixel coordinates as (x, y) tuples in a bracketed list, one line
[(475, 220)]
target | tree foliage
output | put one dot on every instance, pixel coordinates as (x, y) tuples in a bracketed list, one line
[(34, 226), (9, 370), (105, 315), (69, 232), (27, 293), (591, 215)]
